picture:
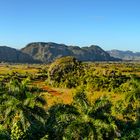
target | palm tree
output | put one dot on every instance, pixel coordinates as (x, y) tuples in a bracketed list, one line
[(60, 116), (134, 93), (21, 108), (4, 135), (82, 120), (132, 111), (132, 99)]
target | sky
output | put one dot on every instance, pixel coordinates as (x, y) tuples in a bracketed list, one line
[(111, 24)]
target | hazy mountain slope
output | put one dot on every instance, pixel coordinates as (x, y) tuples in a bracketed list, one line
[(125, 55), (48, 52), (8, 54)]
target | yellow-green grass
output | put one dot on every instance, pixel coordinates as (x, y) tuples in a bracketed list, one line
[(6, 69), (57, 95)]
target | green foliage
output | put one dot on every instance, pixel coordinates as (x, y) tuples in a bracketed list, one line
[(22, 114), (17, 133), (59, 117), (65, 72), (68, 72), (130, 111), (110, 82), (81, 120), (134, 92), (4, 135), (20, 110)]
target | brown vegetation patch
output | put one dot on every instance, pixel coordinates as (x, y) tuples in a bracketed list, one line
[(50, 90)]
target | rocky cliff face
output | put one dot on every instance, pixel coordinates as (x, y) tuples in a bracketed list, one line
[(48, 52), (8, 54)]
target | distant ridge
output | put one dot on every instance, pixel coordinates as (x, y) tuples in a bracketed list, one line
[(124, 55), (8, 54), (49, 51)]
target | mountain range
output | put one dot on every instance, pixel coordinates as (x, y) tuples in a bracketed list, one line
[(46, 52), (125, 55)]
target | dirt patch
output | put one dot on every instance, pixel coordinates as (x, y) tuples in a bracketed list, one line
[(51, 91)]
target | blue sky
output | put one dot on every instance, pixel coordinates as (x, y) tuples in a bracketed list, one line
[(111, 24)]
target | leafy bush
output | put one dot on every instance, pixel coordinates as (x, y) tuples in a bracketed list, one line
[(65, 72)]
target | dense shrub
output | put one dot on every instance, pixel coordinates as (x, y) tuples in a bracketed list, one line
[(65, 72)]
